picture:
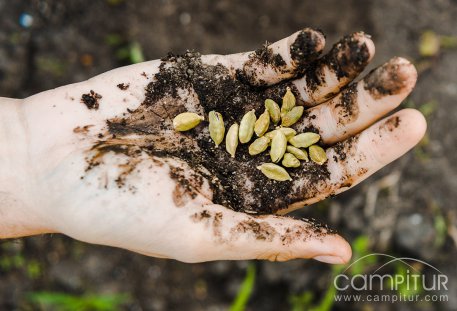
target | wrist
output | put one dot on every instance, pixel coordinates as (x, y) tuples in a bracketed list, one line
[(17, 207)]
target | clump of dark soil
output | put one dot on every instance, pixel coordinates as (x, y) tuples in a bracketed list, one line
[(348, 108), (91, 100), (236, 182), (123, 86), (266, 55), (385, 80), (304, 49), (346, 59)]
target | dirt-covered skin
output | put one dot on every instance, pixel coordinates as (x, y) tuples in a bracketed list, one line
[(63, 32), (184, 83), (110, 168)]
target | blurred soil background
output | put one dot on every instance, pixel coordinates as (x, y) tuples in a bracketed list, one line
[(407, 209)]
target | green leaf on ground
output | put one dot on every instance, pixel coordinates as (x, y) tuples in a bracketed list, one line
[(68, 302), (245, 290)]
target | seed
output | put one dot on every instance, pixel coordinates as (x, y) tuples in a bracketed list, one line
[(292, 116), (186, 121), (271, 134), (231, 140), (262, 124), (288, 102), (273, 110), (274, 172), (278, 146), (317, 154), (298, 153), (290, 160), (216, 127), (259, 145), (247, 126), (304, 140), (289, 132)]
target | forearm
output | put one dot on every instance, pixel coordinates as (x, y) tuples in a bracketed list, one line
[(17, 217)]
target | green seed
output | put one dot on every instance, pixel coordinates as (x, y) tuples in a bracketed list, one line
[(317, 154), (288, 102), (186, 121), (273, 110), (304, 140), (216, 127), (278, 146), (262, 124), (298, 153), (290, 160), (259, 145), (270, 135), (247, 126), (292, 116), (289, 132), (231, 140), (274, 172)]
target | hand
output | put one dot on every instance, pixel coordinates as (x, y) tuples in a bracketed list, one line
[(100, 162)]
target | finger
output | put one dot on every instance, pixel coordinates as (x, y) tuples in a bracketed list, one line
[(220, 233), (280, 60), (324, 78), (382, 143), (355, 159), (361, 104)]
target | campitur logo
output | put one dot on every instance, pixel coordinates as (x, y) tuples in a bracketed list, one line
[(407, 282)]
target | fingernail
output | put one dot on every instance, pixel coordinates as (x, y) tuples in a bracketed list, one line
[(329, 259)]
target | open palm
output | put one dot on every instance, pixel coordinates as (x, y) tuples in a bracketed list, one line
[(101, 162)]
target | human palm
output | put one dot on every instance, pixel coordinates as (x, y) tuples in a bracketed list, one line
[(104, 164)]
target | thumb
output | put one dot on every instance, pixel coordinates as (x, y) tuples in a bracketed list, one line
[(220, 233)]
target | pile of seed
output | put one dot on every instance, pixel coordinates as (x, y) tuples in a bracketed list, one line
[(284, 142)]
